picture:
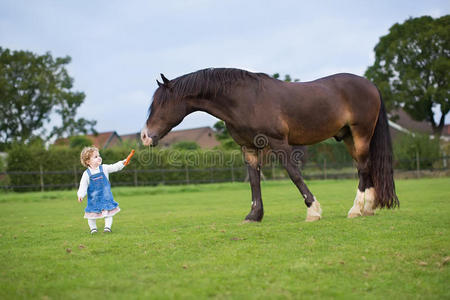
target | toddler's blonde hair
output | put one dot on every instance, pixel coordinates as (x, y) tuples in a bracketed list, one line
[(86, 154)]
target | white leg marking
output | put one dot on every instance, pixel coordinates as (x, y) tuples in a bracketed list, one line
[(314, 212), (369, 209), (358, 205)]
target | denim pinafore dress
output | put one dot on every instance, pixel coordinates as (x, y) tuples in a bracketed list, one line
[(100, 201)]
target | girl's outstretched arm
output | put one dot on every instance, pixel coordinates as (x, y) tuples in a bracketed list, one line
[(114, 167)]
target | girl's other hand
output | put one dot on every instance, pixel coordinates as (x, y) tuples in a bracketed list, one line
[(80, 199)]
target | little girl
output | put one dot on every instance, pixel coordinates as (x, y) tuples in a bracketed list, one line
[(95, 183)]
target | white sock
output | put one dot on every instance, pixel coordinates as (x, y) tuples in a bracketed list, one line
[(92, 223), (108, 222)]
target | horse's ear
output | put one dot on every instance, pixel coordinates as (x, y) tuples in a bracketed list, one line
[(165, 80), (159, 83)]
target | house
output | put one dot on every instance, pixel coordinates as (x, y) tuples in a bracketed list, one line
[(132, 138), (101, 140), (446, 130), (405, 124), (203, 136)]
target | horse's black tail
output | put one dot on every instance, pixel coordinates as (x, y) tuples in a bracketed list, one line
[(381, 160)]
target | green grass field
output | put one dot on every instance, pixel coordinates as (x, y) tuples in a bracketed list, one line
[(190, 242)]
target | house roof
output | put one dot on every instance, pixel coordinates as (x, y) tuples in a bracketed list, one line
[(132, 137), (100, 140), (203, 136), (403, 123)]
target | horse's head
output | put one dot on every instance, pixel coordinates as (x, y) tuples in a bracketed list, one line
[(165, 112)]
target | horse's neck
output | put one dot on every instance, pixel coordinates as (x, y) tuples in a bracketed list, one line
[(218, 107)]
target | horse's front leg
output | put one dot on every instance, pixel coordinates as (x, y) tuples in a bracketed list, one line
[(288, 158), (254, 173)]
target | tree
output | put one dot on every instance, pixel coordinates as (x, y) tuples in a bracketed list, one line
[(33, 88), (79, 141), (287, 77), (411, 68), (224, 137)]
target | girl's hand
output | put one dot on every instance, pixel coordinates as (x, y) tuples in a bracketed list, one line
[(127, 160), (80, 199)]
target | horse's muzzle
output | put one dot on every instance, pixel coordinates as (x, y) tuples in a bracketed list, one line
[(148, 140)]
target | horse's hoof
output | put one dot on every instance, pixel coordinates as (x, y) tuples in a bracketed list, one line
[(353, 215), (314, 212), (368, 213), (249, 221), (252, 219), (312, 218)]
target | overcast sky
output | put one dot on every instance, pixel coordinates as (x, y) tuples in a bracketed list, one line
[(119, 48)]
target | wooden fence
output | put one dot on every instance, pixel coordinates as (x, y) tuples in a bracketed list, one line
[(45, 180)]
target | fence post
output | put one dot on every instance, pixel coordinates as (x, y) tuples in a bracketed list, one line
[(41, 175), (417, 164), (75, 176), (211, 175), (187, 174), (135, 177), (273, 170), (324, 168), (232, 173)]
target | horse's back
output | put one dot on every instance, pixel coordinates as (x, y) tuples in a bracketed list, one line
[(349, 83), (319, 109), (342, 92)]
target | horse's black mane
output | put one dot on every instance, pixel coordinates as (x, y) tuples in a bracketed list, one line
[(206, 83)]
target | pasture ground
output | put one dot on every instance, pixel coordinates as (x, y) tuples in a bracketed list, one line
[(190, 242)]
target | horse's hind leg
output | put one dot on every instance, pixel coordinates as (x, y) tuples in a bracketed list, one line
[(358, 147), (369, 197), (362, 194)]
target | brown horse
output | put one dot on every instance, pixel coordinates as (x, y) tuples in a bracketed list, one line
[(254, 105)]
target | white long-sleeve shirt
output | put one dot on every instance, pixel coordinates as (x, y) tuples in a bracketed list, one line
[(107, 169)]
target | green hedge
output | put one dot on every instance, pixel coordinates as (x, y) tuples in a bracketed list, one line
[(150, 166), (166, 166), (61, 166), (335, 153), (408, 148), (30, 160)]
